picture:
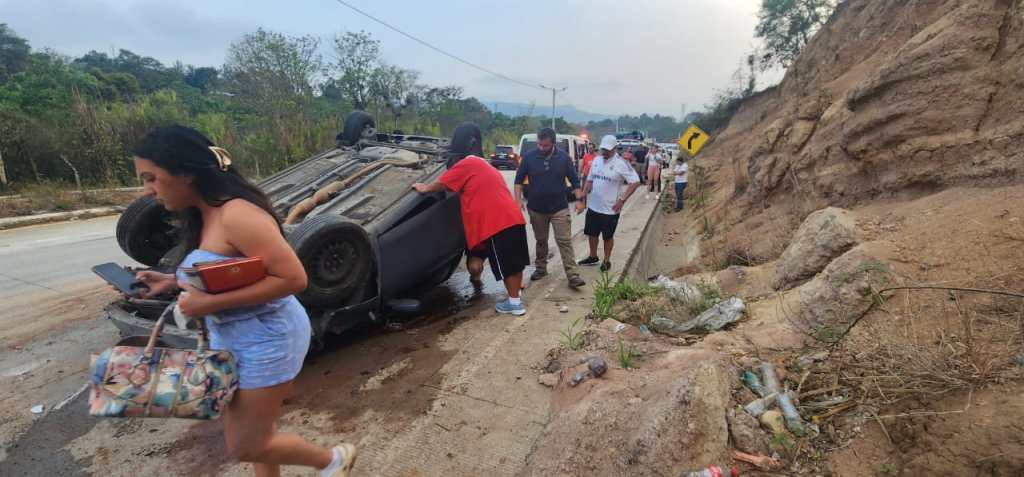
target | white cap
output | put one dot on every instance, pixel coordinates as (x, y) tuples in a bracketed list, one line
[(609, 142)]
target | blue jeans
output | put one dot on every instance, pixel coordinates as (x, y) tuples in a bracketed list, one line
[(680, 187)]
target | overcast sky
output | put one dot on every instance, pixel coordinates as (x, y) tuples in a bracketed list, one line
[(626, 56)]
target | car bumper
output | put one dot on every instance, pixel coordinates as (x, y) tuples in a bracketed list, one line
[(131, 324)]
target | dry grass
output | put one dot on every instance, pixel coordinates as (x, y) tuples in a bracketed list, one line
[(56, 197), (932, 343)]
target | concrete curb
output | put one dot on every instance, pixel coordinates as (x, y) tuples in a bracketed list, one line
[(15, 222)]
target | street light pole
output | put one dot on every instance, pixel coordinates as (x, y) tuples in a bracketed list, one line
[(553, 92)]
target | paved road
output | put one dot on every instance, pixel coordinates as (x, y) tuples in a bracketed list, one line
[(45, 258)]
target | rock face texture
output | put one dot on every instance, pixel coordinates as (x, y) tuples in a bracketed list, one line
[(892, 97)]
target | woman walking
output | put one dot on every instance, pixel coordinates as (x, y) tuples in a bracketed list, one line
[(653, 171), (263, 325)]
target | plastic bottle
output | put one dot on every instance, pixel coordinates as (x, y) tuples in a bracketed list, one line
[(771, 381), (759, 406), (714, 471), (793, 421), (754, 383)]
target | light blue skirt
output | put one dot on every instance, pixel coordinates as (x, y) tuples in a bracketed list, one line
[(268, 348)]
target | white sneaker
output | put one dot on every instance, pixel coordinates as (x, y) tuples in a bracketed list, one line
[(344, 459)]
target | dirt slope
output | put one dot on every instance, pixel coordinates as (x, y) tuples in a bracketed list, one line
[(891, 99)]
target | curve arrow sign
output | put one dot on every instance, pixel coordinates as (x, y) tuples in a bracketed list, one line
[(689, 142)]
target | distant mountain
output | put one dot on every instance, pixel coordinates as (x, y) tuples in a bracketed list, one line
[(568, 112)]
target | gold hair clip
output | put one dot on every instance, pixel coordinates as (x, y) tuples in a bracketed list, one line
[(223, 158)]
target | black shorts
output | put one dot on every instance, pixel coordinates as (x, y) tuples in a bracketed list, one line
[(600, 224), (506, 251)]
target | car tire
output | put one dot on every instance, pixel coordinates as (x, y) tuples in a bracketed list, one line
[(337, 256), (358, 125), (145, 232)]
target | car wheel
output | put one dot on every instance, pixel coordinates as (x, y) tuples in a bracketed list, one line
[(337, 256), (358, 125), (145, 231)]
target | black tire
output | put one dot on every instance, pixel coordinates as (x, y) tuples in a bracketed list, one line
[(145, 231), (358, 125), (337, 256)]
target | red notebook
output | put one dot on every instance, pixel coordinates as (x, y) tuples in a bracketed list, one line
[(225, 275)]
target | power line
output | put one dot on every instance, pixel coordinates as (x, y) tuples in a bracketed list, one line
[(432, 47)]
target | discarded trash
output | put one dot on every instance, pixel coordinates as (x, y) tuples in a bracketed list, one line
[(578, 378), (597, 366), (619, 327), (714, 319), (645, 330), (759, 406), (771, 380), (807, 360), (665, 326), (793, 421), (1020, 360), (754, 383), (678, 290), (714, 471), (761, 461), (37, 409), (563, 309), (773, 421)]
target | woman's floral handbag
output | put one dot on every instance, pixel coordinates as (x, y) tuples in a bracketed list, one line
[(152, 381)]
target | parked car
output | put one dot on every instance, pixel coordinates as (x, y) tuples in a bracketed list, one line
[(575, 146), (505, 157), (352, 219), (639, 155)]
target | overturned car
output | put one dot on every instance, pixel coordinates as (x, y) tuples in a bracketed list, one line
[(369, 243)]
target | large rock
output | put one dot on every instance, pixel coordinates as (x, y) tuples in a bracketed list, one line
[(824, 235), (743, 429), (665, 419), (844, 291)]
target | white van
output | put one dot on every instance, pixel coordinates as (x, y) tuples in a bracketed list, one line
[(575, 146)]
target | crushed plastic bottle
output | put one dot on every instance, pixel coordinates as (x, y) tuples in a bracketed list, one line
[(754, 383), (714, 471), (759, 406)]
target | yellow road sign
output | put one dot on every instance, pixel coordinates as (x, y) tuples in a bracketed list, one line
[(693, 140)]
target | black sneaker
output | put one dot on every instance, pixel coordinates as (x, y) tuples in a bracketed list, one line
[(590, 261), (538, 274), (606, 266)]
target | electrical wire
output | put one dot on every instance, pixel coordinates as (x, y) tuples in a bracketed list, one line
[(432, 47)]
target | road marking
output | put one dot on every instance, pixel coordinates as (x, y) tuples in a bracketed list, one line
[(71, 397)]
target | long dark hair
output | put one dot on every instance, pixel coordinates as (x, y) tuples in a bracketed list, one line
[(184, 151)]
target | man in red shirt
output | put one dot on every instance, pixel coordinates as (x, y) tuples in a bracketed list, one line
[(588, 158), (493, 223)]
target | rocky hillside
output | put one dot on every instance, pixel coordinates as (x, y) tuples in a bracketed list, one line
[(893, 98)]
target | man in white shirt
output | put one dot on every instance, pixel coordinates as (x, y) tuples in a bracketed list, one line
[(610, 183), (680, 172)]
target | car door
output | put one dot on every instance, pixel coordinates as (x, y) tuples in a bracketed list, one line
[(428, 239)]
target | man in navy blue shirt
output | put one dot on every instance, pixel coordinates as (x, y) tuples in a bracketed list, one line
[(549, 170)]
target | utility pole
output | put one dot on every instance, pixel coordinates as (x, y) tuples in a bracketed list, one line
[(553, 92)]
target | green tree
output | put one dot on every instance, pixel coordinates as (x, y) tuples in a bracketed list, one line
[(786, 26), (14, 52), (358, 58)]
